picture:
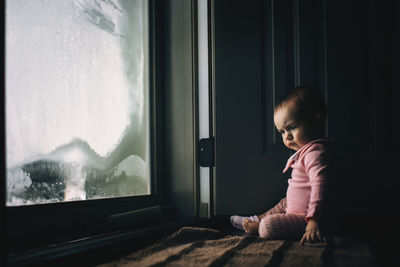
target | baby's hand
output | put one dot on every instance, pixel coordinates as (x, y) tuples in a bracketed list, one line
[(312, 233), (249, 226)]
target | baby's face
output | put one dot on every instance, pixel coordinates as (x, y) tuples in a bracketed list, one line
[(295, 133)]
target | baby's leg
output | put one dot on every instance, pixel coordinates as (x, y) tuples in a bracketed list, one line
[(250, 227), (237, 221), (277, 209), (282, 226)]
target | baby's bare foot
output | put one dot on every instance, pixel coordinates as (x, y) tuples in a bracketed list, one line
[(249, 226)]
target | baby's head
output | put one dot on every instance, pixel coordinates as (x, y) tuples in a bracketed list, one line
[(300, 117)]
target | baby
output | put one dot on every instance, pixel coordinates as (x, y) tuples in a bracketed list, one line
[(300, 118)]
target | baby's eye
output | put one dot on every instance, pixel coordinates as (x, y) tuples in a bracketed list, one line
[(292, 127)]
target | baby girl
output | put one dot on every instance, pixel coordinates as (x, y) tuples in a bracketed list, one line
[(300, 118)]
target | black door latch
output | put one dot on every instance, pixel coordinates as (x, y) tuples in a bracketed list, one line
[(206, 152)]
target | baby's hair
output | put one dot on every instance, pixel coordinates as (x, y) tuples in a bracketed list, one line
[(308, 101)]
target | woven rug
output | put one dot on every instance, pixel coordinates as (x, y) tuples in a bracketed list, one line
[(192, 246)]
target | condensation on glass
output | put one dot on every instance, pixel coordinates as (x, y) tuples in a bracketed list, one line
[(77, 100)]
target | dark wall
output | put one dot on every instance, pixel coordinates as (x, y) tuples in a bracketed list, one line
[(262, 49), (386, 33), (247, 175)]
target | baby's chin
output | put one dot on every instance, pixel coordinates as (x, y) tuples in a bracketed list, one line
[(293, 146)]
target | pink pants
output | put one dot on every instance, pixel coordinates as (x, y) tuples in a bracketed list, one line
[(277, 224)]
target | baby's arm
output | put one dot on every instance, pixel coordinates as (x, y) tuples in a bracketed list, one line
[(316, 165)]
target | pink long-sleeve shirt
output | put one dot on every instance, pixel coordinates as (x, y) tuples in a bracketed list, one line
[(305, 193)]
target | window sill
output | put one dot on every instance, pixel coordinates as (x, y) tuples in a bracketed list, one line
[(96, 249)]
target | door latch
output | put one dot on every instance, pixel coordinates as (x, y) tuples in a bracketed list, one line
[(206, 154)]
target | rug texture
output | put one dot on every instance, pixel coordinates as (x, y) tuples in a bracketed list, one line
[(192, 246)]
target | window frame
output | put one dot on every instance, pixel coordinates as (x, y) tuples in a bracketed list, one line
[(28, 226)]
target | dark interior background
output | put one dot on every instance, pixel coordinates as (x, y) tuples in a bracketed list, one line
[(346, 49), (261, 49)]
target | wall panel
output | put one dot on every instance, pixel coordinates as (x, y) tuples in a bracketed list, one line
[(263, 49)]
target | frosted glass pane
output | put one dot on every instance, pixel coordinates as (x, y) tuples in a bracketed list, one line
[(77, 106)]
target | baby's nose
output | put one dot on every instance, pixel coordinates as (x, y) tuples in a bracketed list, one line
[(289, 137)]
